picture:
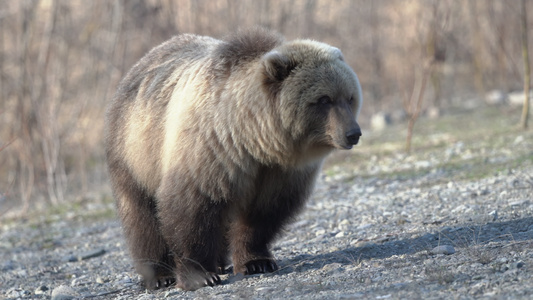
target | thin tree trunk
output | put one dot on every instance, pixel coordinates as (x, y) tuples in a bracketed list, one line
[(414, 111), (478, 64), (527, 71)]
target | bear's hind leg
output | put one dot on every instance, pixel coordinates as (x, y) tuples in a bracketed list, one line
[(137, 211)]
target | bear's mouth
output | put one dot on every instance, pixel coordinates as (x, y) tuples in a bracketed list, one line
[(346, 144), (347, 147)]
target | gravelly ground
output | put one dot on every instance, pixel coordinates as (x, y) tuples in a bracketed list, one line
[(369, 231)]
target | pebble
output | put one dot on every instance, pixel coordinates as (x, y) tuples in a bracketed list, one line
[(344, 222), (41, 290), (443, 249), (64, 292), (518, 264), (320, 232)]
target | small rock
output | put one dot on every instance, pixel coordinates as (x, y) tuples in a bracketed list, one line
[(443, 249), (502, 268), (40, 290), (344, 222), (64, 292), (450, 183), (334, 249), (483, 192), (71, 258), (320, 232), (518, 265)]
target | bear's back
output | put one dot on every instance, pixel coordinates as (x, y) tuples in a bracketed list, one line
[(143, 117), (138, 109)]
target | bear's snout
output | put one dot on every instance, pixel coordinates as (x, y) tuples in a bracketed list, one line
[(353, 136)]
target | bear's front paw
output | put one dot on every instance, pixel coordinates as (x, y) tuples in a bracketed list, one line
[(157, 283), (264, 265), (195, 280)]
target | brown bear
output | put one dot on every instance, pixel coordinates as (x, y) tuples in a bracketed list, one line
[(214, 145)]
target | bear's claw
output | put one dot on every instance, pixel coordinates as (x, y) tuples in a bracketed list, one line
[(196, 280), (159, 283), (165, 282), (260, 266)]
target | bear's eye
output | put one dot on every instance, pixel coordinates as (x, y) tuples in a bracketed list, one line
[(350, 101), (324, 100)]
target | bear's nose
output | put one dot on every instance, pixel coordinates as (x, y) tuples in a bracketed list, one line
[(353, 136)]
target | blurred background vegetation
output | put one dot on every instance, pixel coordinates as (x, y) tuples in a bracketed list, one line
[(62, 60)]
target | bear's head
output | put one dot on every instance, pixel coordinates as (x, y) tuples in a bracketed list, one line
[(319, 94)]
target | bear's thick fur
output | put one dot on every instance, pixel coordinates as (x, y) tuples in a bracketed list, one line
[(213, 145)]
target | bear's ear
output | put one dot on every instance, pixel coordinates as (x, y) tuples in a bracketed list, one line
[(277, 66), (337, 53)]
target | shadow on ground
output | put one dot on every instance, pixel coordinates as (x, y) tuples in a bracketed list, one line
[(461, 236)]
